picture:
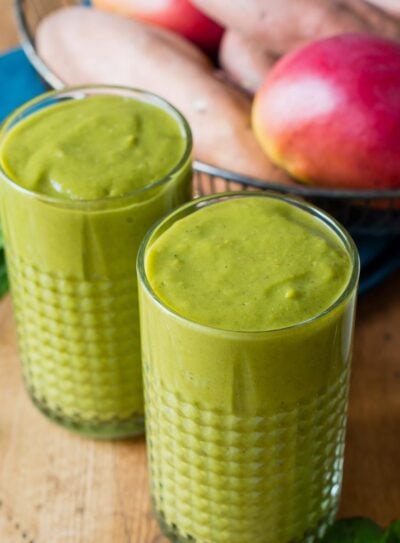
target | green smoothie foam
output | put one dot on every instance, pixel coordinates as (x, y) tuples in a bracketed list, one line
[(100, 147), (245, 405), (248, 264), (86, 181)]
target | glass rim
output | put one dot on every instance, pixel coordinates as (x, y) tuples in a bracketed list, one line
[(66, 92), (333, 225)]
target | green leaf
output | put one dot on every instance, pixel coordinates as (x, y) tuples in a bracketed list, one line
[(3, 276), (3, 285), (392, 534), (354, 530), (3, 267)]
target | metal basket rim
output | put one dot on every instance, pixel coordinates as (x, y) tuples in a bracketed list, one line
[(51, 79)]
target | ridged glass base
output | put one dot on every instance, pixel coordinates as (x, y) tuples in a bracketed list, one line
[(112, 429), (311, 536), (80, 350), (223, 478)]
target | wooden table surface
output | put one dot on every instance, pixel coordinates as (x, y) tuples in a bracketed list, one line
[(56, 487)]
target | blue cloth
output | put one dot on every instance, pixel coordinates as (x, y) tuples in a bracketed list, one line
[(19, 82)]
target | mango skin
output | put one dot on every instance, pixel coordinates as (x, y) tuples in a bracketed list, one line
[(329, 113), (179, 16)]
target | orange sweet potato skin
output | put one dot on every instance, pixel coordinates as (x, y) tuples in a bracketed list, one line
[(86, 46)]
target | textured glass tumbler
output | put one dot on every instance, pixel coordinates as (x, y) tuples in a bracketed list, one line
[(245, 430), (72, 266)]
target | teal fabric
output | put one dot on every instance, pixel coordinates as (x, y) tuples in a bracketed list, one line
[(18, 81)]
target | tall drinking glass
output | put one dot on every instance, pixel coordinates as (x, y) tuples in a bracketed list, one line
[(73, 279), (245, 430)]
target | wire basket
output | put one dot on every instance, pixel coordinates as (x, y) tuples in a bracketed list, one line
[(369, 212)]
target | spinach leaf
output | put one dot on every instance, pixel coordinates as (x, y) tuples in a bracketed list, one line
[(392, 534), (3, 275), (3, 268), (355, 530)]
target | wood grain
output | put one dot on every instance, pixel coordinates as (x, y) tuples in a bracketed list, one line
[(56, 487), (372, 466), (8, 33)]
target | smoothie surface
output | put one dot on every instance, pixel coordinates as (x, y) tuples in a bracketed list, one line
[(100, 146), (248, 264)]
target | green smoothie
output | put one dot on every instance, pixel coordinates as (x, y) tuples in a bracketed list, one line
[(84, 174), (246, 313), (267, 262), (100, 147)]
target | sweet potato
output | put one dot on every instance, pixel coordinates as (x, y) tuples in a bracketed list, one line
[(246, 61), (391, 6), (88, 46), (284, 24), (180, 16)]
